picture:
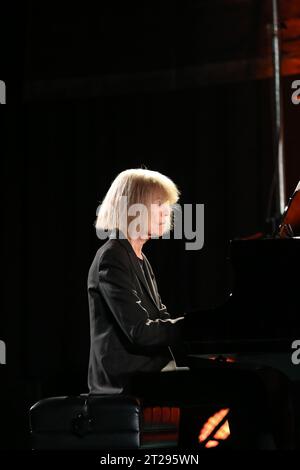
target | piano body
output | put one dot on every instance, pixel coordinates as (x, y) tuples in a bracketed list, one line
[(232, 352)]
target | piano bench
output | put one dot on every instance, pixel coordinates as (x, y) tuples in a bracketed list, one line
[(75, 423)]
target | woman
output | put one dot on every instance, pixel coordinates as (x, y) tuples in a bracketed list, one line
[(131, 330)]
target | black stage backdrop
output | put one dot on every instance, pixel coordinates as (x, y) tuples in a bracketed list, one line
[(214, 141)]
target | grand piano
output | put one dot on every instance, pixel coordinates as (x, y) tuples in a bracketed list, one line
[(232, 350), (260, 321)]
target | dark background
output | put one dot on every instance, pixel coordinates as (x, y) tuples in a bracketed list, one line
[(91, 92)]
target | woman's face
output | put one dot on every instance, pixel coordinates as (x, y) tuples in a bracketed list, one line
[(159, 217)]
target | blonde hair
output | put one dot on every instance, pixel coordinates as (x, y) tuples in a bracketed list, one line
[(137, 186)]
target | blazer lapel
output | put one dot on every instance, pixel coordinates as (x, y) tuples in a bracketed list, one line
[(151, 277), (138, 268), (141, 276)]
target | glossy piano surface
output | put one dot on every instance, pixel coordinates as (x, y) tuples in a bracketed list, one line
[(263, 311)]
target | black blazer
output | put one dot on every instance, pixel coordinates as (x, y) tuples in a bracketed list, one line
[(131, 330)]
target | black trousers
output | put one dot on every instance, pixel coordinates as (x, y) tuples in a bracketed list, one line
[(259, 399)]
